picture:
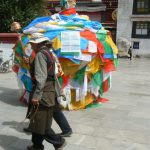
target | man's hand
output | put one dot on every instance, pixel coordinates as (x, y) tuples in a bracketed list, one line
[(63, 97), (20, 37), (26, 59), (35, 101)]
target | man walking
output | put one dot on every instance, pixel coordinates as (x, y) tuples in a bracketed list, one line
[(43, 95)]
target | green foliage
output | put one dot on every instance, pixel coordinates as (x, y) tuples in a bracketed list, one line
[(22, 11)]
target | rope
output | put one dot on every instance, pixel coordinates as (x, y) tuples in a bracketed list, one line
[(37, 107)]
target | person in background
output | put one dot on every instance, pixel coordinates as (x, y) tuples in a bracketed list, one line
[(58, 115), (130, 53), (43, 96)]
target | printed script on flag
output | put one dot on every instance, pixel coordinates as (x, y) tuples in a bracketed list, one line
[(70, 42)]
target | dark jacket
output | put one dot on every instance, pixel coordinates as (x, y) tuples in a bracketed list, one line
[(43, 78), (43, 90)]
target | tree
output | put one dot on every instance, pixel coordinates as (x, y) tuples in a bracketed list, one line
[(22, 11)]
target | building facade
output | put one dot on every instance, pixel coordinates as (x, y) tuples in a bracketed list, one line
[(134, 24), (92, 8), (109, 17)]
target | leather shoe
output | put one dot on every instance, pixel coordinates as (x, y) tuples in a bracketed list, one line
[(60, 147), (33, 148), (66, 134)]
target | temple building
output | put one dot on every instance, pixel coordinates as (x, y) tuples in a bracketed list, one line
[(104, 11)]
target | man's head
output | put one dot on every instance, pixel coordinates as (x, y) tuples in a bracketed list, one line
[(37, 40), (15, 26)]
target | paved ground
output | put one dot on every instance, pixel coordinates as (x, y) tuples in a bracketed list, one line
[(123, 123)]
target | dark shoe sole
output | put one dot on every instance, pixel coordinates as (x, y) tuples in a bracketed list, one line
[(66, 134), (63, 145)]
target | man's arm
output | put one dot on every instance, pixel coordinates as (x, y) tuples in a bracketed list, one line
[(40, 75)]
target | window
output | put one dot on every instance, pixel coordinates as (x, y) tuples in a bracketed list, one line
[(135, 45), (141, 7), (141, 29)]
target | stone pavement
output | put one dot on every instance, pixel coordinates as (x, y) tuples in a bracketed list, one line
[(123, 123)]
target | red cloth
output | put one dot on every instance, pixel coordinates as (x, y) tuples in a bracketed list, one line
[(89, 35), (109, 66), (65, 80), (15, 68), (100, 47), (106, 85), (102, 100), (68, 12)]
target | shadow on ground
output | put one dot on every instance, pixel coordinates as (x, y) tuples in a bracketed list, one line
[(16, 125), (10, 96), (8, 142)]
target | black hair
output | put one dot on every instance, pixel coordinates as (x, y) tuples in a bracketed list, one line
[(48, 44)]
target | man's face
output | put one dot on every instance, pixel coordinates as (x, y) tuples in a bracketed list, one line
[(34, 46)]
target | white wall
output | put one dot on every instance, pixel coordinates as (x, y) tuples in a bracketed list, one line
[(7, 50), (124, 27), (144, 45)]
